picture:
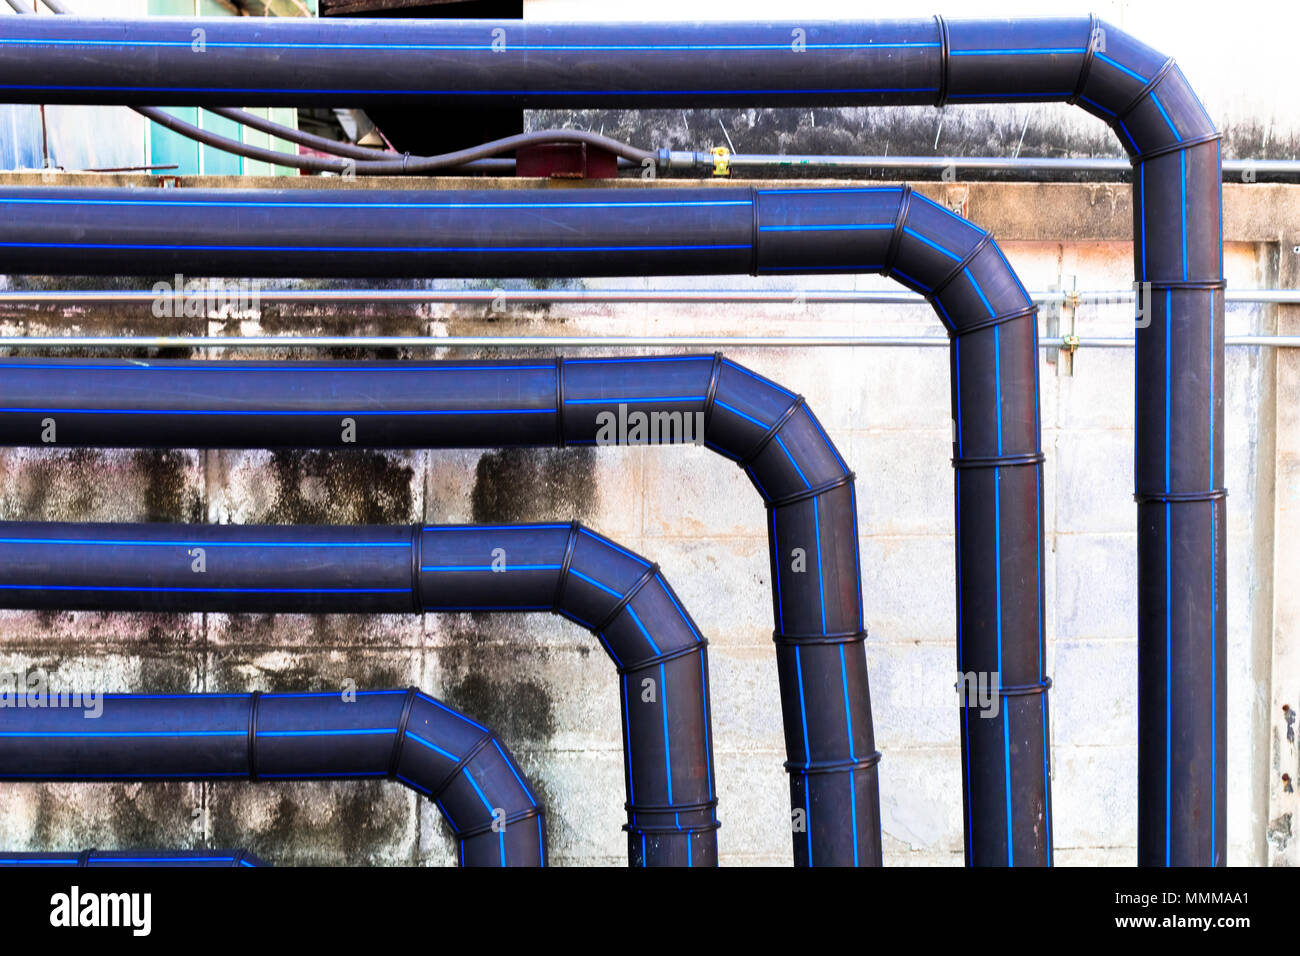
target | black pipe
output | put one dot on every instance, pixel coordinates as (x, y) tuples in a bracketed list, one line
[(742, 416), (201, 859), (1142, 95), (566, 568), (401, 735)]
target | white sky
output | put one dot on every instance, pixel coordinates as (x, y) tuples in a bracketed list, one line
[(1242, 62)]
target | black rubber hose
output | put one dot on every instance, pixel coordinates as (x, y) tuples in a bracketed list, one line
[(95, 859), (619, 596), (402, 735)]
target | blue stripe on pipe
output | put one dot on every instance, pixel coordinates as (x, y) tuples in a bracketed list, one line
[(948, 213), (47, 862), (178, 860), (738, 413), (275, 413), (628, 401), (1169, 680), (525, 48), (848, 721), (797, 469), (826, 439), (845, 269), (997, 587), (1182, 171), (541, 841), (326, 775), (278, 369), (997, 97), (136, 247), (857, 560), (680, 610), (511, 767), (836, 189), (309, 204), (776, 569), (635, 361), (610, 544), (983, 297), (347, 732), (943, 314), (62, 734), (637, 621), (144, 543), (474, 783), (1169, 359), (757, 484), (327, 693), (956, 365), (465, 608), (1121, 67), (432, 746), (1142, 212), (605, 644), (916, 282), (961, 668), (807, 754), (668, 757), (931, 243), (754, 375), (194, 775), (1042, 640), (162, 590), (708, 736), (627, 753), (720, 450), (487, 567), (455, 713), (454, 829), (495, 527), (411, 783), (594, 583), (1042, 51), (827, 227), (1214, 668), (1129, 136), (1097, 105), (574, 618), (461, 91), (821, 582), (1165, 116)]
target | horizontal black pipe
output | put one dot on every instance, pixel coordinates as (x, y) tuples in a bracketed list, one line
[(401, 735), (619, 596), (132, 858)]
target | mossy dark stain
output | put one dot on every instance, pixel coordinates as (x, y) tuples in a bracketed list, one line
[(516, 710), (346, 487), (166, 495), (227, 675), (534, 484)]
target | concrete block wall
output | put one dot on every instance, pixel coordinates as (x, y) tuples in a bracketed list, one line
[(545, 685)]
